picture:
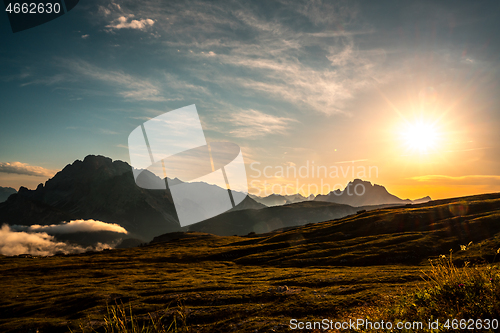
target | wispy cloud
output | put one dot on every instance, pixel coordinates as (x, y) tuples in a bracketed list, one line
[(175, 83), (254, 123), (459, 180), (133, 87), (471, 149), (49, 80), (276, 72), (107, 131), (128, 86), (237, 47), (338, 33), (111, 7), (353, 161), (25, 73), (25, 169)]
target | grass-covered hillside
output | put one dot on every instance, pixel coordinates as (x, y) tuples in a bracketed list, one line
[(372, 264)]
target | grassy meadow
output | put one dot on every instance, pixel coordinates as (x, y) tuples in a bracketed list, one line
[(369, 265)]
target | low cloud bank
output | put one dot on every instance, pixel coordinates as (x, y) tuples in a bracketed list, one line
[(39, 240), (73, 226), (25, 169)]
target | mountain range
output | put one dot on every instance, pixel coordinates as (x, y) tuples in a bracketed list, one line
[(357, 193), (100, 189), (278, 199)]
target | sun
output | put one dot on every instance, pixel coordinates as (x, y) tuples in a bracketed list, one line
[(420, 136)]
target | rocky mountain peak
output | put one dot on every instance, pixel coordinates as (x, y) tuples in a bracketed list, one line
[(360, 192), (93, 168)]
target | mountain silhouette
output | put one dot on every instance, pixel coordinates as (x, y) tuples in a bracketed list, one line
[(101, 189), (363, 193), (95, 188)]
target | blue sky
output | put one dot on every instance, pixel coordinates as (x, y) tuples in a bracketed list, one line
[(290, 82)]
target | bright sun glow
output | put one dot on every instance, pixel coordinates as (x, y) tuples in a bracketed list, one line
[(420, 136)]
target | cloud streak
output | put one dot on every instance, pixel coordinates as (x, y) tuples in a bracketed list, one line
[(460, 180), (253, 123), (133, 87), (270, 62), (25, 169), (73, 226)]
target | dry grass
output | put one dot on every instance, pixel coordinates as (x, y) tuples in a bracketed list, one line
[(120, 319), (449, 292)]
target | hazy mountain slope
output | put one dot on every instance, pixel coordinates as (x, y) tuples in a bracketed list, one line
[(5, 192), (276, 217), (422, 200), (248, 203), (270, 200), (271, 218)]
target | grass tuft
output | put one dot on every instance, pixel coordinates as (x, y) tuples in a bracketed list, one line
[(120, 319)]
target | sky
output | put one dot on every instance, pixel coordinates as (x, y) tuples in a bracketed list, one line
[(317, 93)]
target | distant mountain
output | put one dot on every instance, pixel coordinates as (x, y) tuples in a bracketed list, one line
[(278, 199), (362, 193), (421, 200), (6, 192), (101, 189)]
